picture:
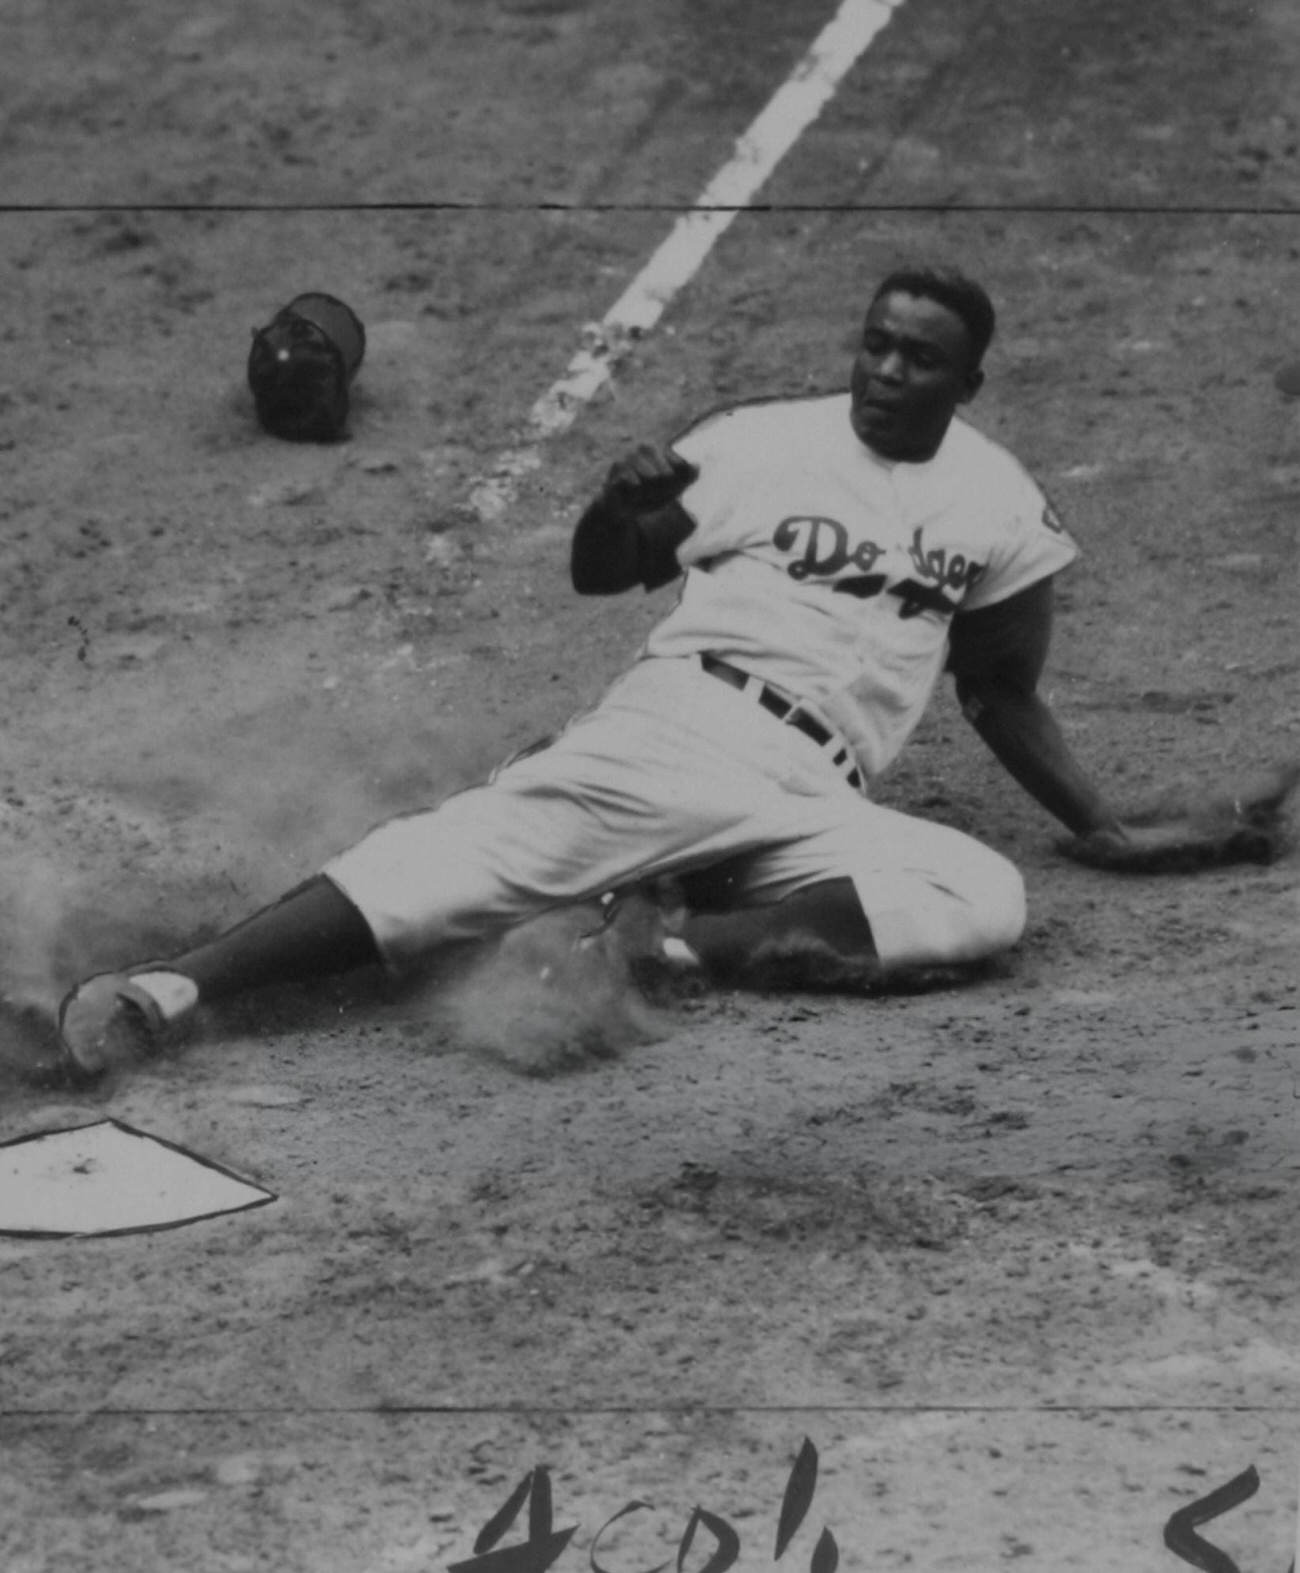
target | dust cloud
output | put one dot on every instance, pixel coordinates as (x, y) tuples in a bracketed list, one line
[(562, 991), (167, 841), (167, 838)]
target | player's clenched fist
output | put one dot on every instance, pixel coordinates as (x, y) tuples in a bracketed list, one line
[(648, 477)]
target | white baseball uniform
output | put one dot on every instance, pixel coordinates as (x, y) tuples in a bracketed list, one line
[(827, 574)]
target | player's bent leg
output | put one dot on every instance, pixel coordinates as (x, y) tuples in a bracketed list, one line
[(967, 908), (884, 893)]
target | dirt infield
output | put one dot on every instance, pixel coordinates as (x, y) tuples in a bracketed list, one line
[(1018, 1256)]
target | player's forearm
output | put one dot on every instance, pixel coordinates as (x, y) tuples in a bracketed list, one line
[(1025, 738)]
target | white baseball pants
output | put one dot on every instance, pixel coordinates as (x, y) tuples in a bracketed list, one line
[(671, 771)]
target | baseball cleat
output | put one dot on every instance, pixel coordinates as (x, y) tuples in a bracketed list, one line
[(669, 949), (117, 1018), (644, 925)]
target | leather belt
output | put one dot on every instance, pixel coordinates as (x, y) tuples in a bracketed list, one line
[(787, 711)]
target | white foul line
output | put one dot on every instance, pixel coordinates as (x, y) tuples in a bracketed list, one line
[(792, 108)]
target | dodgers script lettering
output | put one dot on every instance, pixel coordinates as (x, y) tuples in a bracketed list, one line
[(825, 544)]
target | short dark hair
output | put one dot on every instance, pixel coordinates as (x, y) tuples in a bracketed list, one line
[(961, 295)]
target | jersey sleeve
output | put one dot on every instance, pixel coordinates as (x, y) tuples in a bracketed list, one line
[(727, 448), (1030, 543)]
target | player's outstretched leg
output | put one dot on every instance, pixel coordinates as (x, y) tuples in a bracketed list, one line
[(116, 1017)]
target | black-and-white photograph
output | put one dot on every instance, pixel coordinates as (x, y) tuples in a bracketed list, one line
[(649, 877)]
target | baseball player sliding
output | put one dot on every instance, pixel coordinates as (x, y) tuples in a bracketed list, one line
[(836, 554)]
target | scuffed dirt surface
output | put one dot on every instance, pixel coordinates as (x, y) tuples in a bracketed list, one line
[(1019, 1255)]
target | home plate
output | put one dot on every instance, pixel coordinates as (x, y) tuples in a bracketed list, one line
[(109, 1179)]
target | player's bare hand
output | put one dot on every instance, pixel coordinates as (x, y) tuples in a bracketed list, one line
[(648, 477)]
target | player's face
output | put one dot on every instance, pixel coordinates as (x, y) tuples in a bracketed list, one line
[(911, 372)]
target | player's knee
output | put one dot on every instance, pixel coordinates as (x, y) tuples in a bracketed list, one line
[(998, 895), (973, 908)]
